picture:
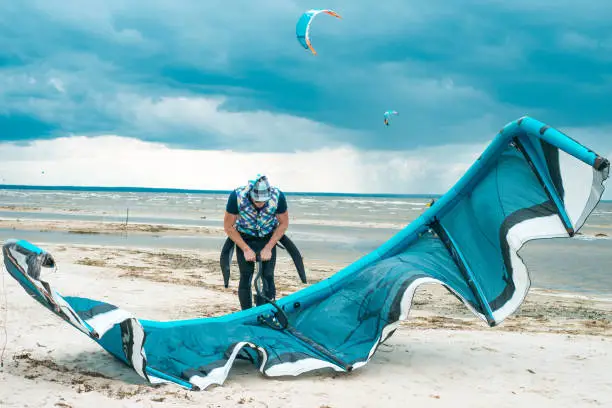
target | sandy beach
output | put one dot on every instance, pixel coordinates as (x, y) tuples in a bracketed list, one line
[(462, 147), (555, 351)]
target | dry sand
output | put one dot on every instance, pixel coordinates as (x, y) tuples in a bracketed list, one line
[(556, 351)]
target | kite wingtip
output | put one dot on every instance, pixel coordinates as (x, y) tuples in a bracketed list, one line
[(333, 13)]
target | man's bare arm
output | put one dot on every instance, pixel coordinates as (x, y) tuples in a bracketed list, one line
[(229, 221), (283, 224)]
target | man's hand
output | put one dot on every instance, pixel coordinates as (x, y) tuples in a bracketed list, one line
[(249, 255), (266, 254)]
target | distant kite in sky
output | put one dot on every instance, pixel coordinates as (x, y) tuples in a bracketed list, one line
[(302, 29), (388, 115)]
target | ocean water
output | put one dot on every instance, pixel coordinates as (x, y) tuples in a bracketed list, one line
[(338, 228)]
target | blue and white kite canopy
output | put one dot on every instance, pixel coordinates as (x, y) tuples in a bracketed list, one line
[(302, 29), (531, 182)]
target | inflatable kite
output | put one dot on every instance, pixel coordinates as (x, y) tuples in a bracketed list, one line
[(387, 116), (302, 28), (531, 182)]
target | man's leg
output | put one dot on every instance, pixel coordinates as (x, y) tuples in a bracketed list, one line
[(267, 278), (246, 275)]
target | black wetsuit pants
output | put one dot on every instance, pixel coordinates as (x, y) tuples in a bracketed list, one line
[(248, 270)]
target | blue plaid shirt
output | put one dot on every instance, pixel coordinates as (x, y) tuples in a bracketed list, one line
[(252, 220)]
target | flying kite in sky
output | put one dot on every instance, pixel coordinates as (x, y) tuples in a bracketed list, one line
[(388, 114), (302, 28), (531, 182)]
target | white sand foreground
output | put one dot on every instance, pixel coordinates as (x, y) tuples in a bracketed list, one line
[(556, 352)]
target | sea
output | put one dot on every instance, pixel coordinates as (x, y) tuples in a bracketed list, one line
[(338, 228)]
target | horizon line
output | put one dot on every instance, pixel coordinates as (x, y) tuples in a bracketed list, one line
[(134, 189)]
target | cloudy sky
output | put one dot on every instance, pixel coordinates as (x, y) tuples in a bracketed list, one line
[(205, 94)]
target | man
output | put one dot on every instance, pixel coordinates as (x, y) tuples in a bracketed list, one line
[(256, 217)]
